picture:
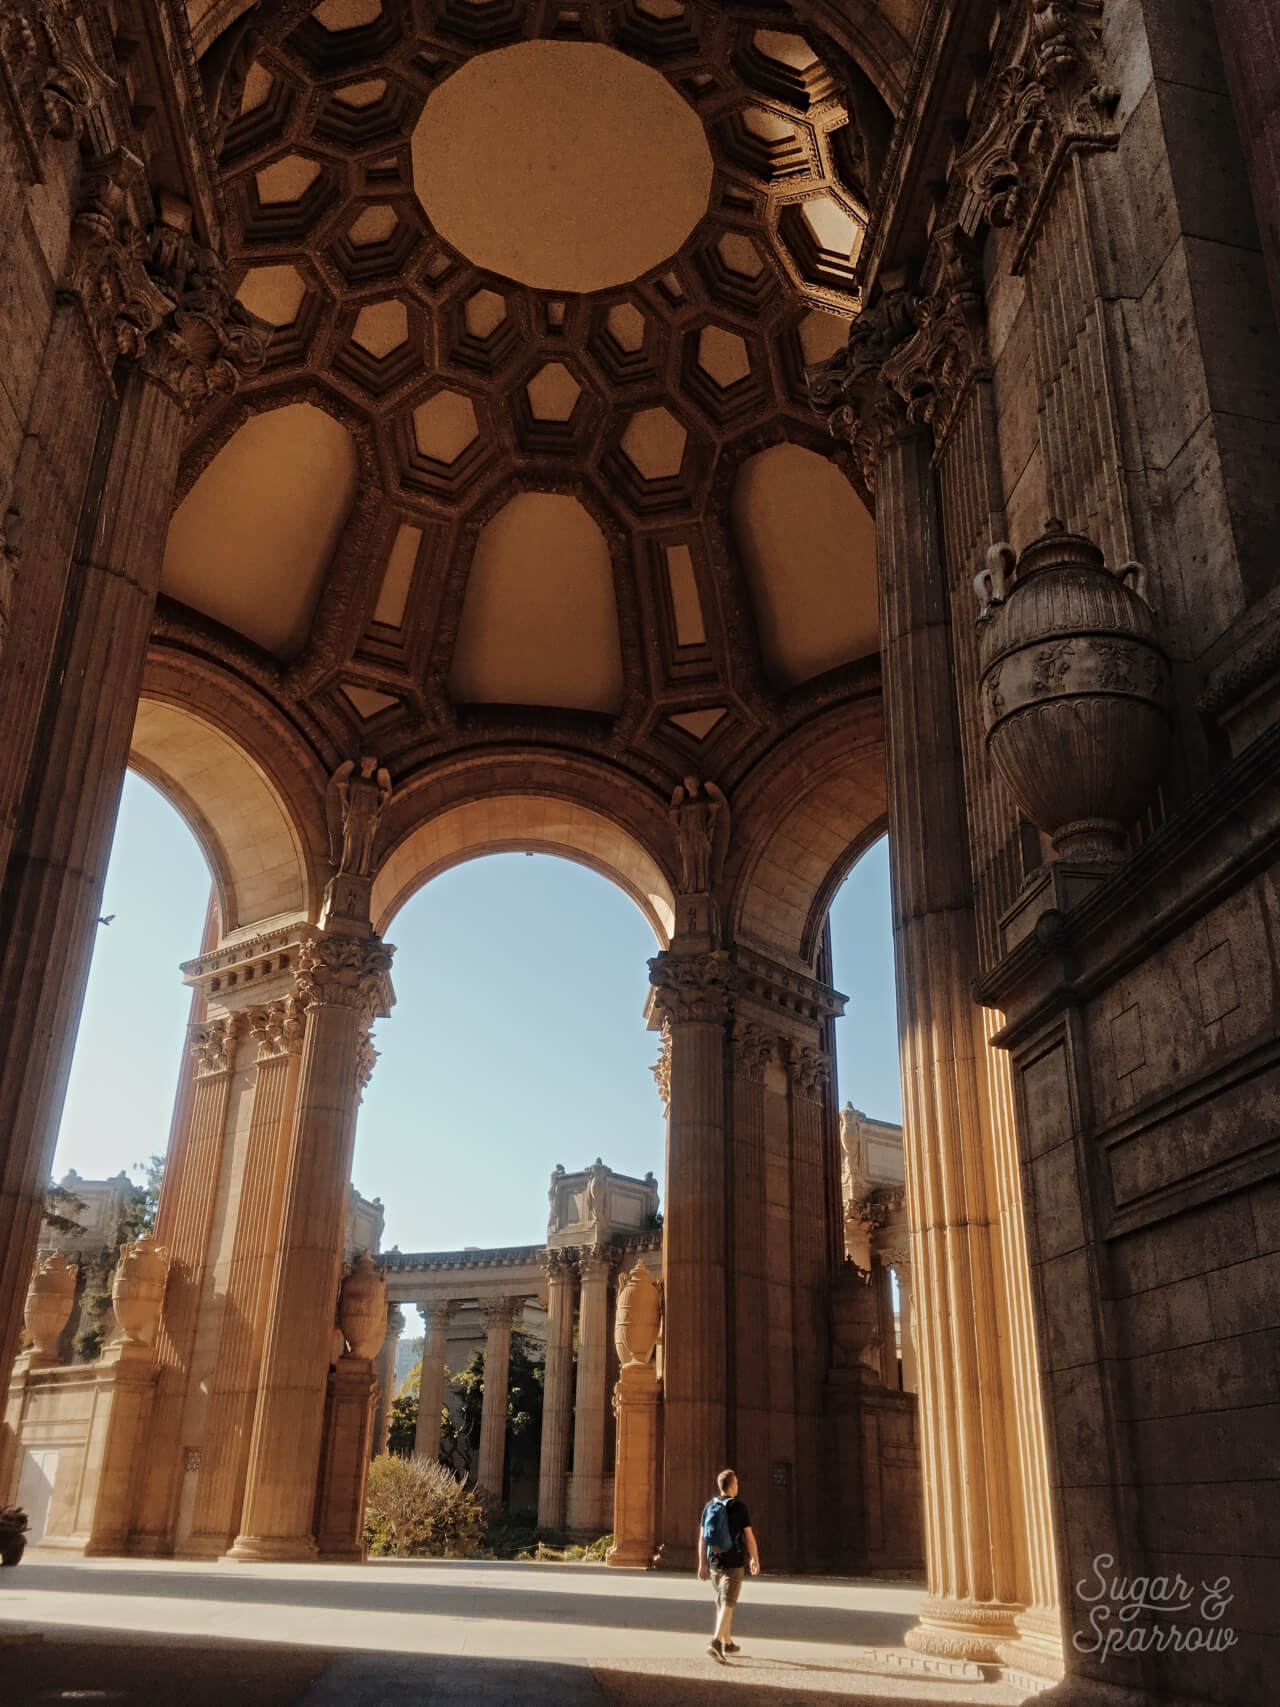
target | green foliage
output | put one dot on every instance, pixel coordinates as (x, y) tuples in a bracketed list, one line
[(60, 1209), (139, 1216), (511, 1535), (461, 1433), (93, 1330), (403, 1427), (415, 1509)]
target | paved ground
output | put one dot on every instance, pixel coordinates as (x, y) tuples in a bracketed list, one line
[(445, 1634)]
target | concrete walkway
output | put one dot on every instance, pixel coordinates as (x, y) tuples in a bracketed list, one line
[(447, 1634)]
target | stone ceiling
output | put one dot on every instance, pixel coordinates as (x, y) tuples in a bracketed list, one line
[(589, 508)]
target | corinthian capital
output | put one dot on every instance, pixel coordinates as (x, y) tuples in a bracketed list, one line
[(933, 369), (691, 987), (810, 1071), (214, 1045), (277, 1027), (851, 391), (155, 296), (346, 972)]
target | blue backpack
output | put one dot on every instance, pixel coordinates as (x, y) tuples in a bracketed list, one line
[(716, 1532)]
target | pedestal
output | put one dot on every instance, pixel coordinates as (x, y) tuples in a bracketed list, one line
[(637, 1407), (344, 1469)]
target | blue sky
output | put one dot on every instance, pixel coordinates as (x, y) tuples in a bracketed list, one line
[(517, 1040)]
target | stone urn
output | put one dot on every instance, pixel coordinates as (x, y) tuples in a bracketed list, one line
[(362, 1307), (137, 1292), (639, 1314), (49, 1299), (1076, 704)]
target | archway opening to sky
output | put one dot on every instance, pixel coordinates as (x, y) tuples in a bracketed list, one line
[(517, 1041), (867, 1064)]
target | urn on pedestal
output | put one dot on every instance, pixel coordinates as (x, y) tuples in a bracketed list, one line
[(362, 1307), (137, 1292), (639, 1312), (1074, 687), (49, 1299)]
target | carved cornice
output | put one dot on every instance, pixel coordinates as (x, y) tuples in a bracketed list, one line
[(810, 1071), (346, 972), (691, 987), (851, 391), (794, 994), (1048, 97), (155, 297), (48, 73)]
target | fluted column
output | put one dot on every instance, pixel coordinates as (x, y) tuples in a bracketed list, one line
[(498, 1317), (435, 1339), (387, 1378), (343, 980), (691, 998), (586, 1482), (557, 1392), (972, 1557), (52, 890)]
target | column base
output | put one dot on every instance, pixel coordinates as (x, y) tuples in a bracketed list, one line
[(963, 1630), (631, 1556), (273, 1549), (1035, 1654)]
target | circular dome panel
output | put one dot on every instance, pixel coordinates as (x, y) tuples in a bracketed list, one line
[(563, 165)]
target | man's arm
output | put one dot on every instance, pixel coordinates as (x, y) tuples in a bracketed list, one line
[(753, 1552), (703, 1572)]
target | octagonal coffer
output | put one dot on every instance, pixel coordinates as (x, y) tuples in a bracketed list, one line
[(441, 443), (626, 342), (823, 237), (784, 66), (378, 240), (383, 345), (553, 410), (724, 371), (657, 462), (286, 198), (340, 35), (292, 302), (480, 331), (366, 113)]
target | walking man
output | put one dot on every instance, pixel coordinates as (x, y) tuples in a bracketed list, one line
[(725, 1546)]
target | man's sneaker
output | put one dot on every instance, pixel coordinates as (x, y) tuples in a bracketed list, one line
[(732, 1648), (716, 1650)]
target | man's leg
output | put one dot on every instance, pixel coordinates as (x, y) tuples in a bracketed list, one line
[(727, 1590)]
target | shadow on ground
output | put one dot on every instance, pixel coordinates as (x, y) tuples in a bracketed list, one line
[(625, 1604), (69, 1667)]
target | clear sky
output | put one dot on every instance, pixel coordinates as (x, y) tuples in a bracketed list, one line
[(517, 1040)]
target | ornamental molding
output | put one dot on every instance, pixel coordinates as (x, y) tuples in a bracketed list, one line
[(278, 1027), (810, 1071), (155, 296), (48, 73), (234, 970), (933, 370), (796, 997), (213, 1045), (851, 392), (346, 972), (751, 1049), (661, 1068), (366, 1061), (691, 988), (1049, 98)]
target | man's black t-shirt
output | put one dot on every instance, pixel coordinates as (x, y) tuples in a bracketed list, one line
[(739, 1519)]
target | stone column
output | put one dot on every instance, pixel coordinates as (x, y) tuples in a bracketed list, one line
[(557, 1392), (972, 1556), (586, 1482), (435, 1338), (343, 978), (900, 1262), (691, 999), (888, 1346), (387, 1378), (51, 894), (498, 1317)]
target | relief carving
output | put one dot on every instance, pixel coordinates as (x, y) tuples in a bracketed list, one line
[(851, 390), (51, 78), (347, 972), (691, 987), (699, 814), (354, 804)]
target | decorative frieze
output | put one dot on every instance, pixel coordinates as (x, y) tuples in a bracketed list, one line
[(1050, 96)]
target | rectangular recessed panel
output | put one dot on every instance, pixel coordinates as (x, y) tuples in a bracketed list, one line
[(398, 575), (685, 604)]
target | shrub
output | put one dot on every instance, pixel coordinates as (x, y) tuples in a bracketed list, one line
[(415, 1509)]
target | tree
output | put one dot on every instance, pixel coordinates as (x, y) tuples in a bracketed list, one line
[(61, 1208), (137, 1218), (415, 1508)]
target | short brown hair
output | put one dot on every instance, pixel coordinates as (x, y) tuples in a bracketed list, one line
[(724, 1478)]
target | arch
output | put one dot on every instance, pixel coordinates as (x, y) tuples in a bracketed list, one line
[(233, 808), (524, 822), (813, 809)]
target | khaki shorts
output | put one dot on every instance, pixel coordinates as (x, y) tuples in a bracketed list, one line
[(727, 1584)]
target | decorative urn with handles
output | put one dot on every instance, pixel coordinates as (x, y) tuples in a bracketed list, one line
[(137, 1292), (49, 1299), (1076, 703), (362, 1307), (638, 1317)]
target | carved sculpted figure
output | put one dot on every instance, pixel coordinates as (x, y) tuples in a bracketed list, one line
[(353, 806), (699, 813)]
